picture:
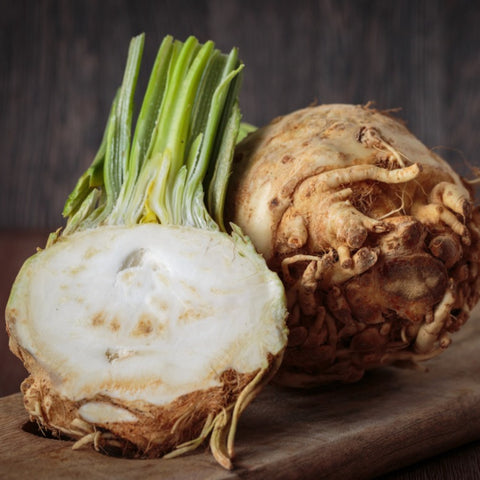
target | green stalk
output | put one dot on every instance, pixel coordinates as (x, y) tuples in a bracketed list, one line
[(198, 170), (145, 125), (185, 131), (120, 126)]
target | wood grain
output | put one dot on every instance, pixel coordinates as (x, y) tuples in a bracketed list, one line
[(391, 419), (63, 60)]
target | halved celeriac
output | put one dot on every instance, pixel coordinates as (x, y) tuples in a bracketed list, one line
[(143, 324), (137, 330)]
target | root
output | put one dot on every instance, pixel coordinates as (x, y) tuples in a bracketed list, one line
[(453, 197), (323, 272), (363, 260), (307, 287), (247, 396), (195, 443), (90, 438), (340, 225), (297, 236), (433, 214), (338, 305), (79, 428), (357, 173), (429, 333), (347, 224), (409, 356), (344, 257), (447, 200), (217, 438), (181, 421), (286, 262), (447, 248)]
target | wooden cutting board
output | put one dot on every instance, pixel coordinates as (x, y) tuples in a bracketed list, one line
[(390, 419)]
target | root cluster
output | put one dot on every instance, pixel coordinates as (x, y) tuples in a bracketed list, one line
[(158, 431), (377, 243)]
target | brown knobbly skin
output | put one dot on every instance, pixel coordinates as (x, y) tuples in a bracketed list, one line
[(158, 429), (375, 237)]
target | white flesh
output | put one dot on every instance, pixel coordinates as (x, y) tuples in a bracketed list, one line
[(145, 313)]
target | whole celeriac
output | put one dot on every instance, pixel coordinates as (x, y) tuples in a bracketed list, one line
[(374, 236), (144, 326)]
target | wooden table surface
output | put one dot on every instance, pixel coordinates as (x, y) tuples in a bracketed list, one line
[(417, 425)]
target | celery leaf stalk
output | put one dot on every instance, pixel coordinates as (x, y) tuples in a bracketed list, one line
[(160, 171)]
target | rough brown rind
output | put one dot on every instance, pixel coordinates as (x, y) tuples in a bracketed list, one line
[(158, 431), (374, 236)]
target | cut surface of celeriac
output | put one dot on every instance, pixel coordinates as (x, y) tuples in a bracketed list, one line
[(120, 322), (146, 328), (146, 313)]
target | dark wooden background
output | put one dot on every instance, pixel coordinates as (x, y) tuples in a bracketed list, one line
[(61, 61)]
